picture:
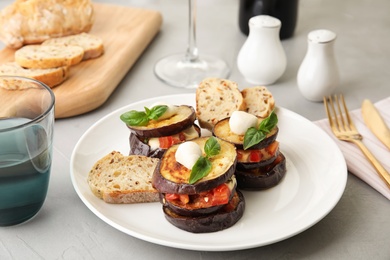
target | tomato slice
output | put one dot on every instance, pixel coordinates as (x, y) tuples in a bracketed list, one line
[(168, 141), (272, 148), (255, 156), (165, 142), (217, 196), (221, 195)]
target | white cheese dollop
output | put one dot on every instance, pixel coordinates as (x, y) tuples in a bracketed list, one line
[(188, 153), (240, 121), (171, 111)]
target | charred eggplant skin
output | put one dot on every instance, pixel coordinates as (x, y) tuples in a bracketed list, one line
[(192, 212), (220, 220), (264, 177), (137, 147), (222, 131), (169, 126)]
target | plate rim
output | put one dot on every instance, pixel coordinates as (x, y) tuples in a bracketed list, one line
[(341, 181)]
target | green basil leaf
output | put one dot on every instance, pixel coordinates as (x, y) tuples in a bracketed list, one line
[(212, 147), (268, 123), (201, 168), (253, 137), (135, 118), (156, 111)]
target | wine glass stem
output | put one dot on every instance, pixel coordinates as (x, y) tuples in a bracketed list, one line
[(192, 50)]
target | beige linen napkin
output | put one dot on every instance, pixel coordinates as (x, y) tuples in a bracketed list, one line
[(356, 161)]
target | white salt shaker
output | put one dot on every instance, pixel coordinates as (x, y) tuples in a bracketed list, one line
[(318, 75), (262, 59)]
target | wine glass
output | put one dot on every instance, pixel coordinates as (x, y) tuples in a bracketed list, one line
[(187, 70)]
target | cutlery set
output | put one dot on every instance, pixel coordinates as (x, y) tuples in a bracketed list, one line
[(344, 129)]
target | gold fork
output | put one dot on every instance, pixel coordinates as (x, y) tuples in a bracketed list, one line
[(344, 129)]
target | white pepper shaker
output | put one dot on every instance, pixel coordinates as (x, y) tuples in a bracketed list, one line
[(262, 59), (318, 75)]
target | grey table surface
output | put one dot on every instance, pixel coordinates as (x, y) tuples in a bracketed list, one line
[(359, 225)]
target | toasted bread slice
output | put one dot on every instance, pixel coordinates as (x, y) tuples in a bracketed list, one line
[(116, 178), (46, 56), (259, 101), (51, 77), (216, 99), (92, 45)]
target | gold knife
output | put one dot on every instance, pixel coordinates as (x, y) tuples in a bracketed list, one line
[(375, 122)]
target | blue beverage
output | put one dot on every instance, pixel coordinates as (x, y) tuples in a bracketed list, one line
[(25, 160)]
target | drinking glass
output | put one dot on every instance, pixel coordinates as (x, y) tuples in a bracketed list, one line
[(186, 70), (26, 134)]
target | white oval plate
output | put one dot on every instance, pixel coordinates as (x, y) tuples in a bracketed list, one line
[(314, 183)]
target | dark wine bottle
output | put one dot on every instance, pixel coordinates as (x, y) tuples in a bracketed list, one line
[(285, 10)]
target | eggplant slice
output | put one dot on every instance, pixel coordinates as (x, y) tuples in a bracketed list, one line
[(170, 126), (222, 131), (264, 177), (138, 147), (226, 217), (172, 177)]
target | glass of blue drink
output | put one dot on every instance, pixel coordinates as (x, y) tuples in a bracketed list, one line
[(26, 135)]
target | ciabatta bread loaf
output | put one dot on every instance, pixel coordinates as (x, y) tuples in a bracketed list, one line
[(33, 21), (116, 178), (44, 57), (259, 101), (92, 45), (216, 99), (51, 77)]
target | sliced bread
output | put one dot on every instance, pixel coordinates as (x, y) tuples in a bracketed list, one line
[(116, 178), (51, 77), (216, 99), (259, 101), (47, 56), (92, 45)]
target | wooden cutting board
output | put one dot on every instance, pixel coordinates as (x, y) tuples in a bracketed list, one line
[(126, 32)]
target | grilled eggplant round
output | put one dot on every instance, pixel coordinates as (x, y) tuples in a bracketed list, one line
[(184, 118), (224, 218), (264, 177), (139, 147), (172, 177), (222, 130)]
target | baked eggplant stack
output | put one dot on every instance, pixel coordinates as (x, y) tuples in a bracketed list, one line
[(157, 128), (260, 164), (197, 185)]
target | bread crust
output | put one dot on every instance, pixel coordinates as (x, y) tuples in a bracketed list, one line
[(51, 77), (216, 99), (44, 57), (120, 179), (259, 101), (33, 21), (92, 45)]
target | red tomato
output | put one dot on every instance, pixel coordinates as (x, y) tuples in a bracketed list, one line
[(255, 156), (221, 195), (171, 196), (272, 148), (217, 196), (165, 142)]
